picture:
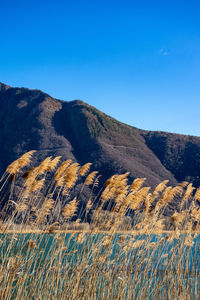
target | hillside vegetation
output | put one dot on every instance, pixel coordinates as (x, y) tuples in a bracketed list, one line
[(78, 131)]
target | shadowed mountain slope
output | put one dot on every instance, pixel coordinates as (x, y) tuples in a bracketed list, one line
[(31, 119), (180, 154)]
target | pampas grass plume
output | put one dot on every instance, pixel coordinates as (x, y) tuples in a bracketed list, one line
[(85, 169), (60, 171), (90, 178), (21, 162), (70, 209), (137, 183)]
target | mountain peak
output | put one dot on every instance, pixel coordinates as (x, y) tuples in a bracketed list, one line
[(31, 119), (4, 86)]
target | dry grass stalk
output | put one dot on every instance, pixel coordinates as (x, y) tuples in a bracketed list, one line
[(20, 207), (96, 181), (89, 205), (138, 243), (20, 163), (53, 163), (45, 210), (138, 198), (197, 195), (31, 244), (80, 238), (148, 203), (188, 192), (166, 197), (116, 189), (31, 180), (183, 184), (91, 178), (70, 209), (195, 214), (37, 185), (120, 196), (52, 228), (178, 218), (160, 187), (85, 169), (60, 171), (31, 177), (45, 165), (93, 262), (71, 176), (137, 183)]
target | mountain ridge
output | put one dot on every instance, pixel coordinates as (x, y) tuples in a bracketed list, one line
[(32, 119)]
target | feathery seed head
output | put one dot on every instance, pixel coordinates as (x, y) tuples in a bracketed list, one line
[(45, 210), (62, 169), (44, 166), (89, 204), (70, 209), (148, 202), (31, 176), (85, 169), (183, 184), (137, 183), (178, 218), (37, 185), (53, 163), (197, 194), (165, 198), (110, 180), (21, 162), (90, 178), (160, 187), (195, 214), (139, 197), (188, 194), (71, 176)]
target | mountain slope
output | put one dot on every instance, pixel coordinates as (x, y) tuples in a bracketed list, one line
[(180, 154), (31, 119)]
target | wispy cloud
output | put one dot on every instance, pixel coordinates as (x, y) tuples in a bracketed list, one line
[(164, 52)]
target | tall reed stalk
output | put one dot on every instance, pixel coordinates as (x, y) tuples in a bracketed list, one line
[(131, 249)]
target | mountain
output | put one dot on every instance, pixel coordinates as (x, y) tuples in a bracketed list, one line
[(31, 119)]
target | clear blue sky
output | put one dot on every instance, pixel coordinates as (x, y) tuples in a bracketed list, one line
[(138, 61)]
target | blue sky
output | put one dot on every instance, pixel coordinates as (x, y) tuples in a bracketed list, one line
[(138, 61)]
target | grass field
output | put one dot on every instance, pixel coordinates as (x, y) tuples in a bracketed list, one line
[(131, 249)]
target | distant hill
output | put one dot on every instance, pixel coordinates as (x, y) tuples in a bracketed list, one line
[(31, 119)]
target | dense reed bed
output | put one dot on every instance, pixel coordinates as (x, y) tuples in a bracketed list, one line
[(124, 241)]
